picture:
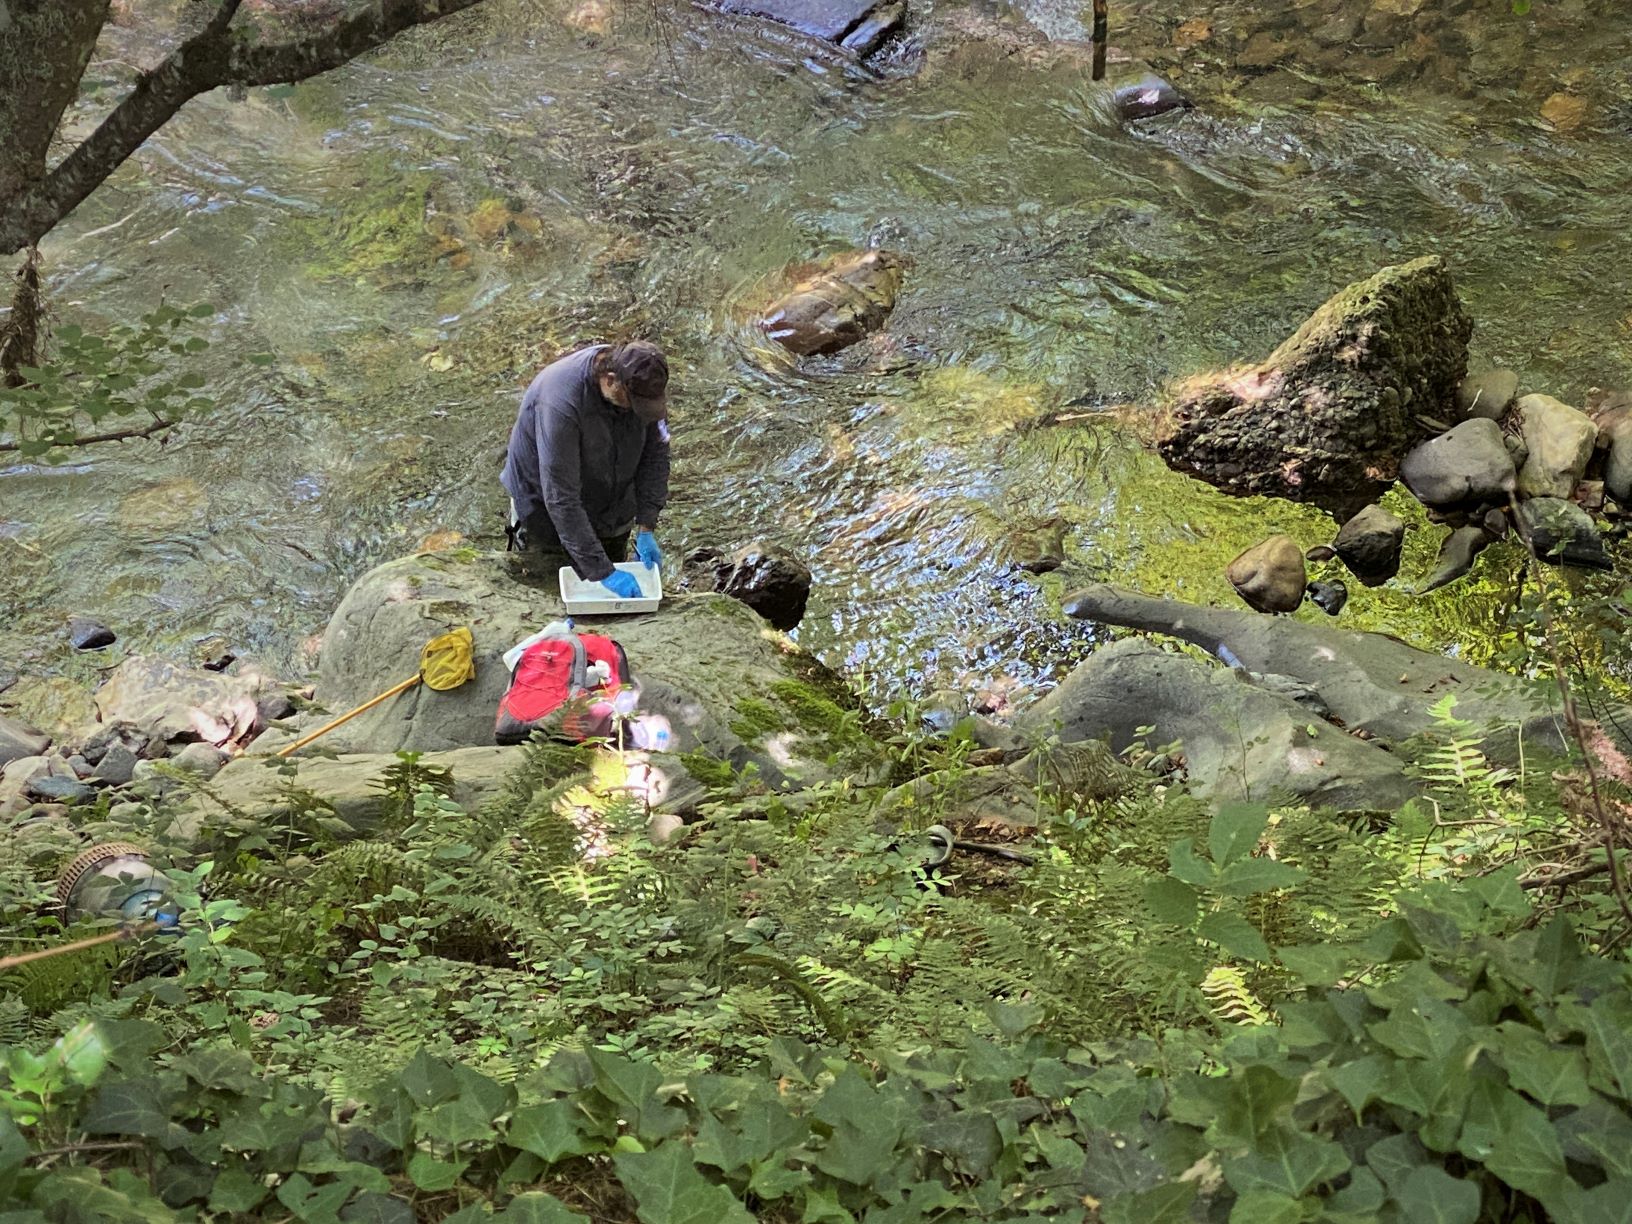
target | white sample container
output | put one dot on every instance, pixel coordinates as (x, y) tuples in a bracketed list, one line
[(593, 599)]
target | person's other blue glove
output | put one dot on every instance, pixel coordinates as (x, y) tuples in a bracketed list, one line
[(647, 550), (622, 584)]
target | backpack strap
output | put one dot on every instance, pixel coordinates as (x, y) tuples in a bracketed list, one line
[(580, 666)]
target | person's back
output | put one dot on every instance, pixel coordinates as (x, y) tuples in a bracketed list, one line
[(588, 459)]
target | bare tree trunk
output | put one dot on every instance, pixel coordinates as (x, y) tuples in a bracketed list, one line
[(33, 200), (44, 48)]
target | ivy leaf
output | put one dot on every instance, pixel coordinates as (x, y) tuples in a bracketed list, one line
[(1249, 876), (1361, 1081), (1608, 1026), (1171, 901), (235, 1191), (469, 1116), (1551, 1074), (1285, 1161), (668, 1189), (1317, 964), (1234, 832), (1236, 936), (633, 1086), (228, 1070), (314, 1204), (131, 1107), (969, 1137), (428, 1080), (1166, 1204), (552, 1131), (537, 1208), (1247, 1104), (1266, 1207), (429, 1173), (1429, 1195), (374, 1208), (1527, 1154)]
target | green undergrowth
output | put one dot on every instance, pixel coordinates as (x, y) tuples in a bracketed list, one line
[(533, 1011)]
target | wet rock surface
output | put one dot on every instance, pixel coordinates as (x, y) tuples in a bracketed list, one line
[(87, 634), (19, 740), (165, 703), (1456, 556), (1327, 417)]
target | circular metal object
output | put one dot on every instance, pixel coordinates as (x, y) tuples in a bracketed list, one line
[(114, 879)]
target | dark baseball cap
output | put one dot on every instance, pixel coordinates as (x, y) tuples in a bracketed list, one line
[(641, 367)]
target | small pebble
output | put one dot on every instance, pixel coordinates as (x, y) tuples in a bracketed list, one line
[(1320, 552), (1329, 597), (87, 634)]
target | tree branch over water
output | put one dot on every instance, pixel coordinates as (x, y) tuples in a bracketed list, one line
[(49, 45)]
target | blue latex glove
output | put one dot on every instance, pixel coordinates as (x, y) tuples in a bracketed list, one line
[(647, 550), (623, 585)]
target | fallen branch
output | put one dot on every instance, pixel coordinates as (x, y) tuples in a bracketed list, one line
[(117, 435), (1572, 876)]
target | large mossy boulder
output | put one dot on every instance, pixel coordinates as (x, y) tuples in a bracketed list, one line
[(1327, 417), (734, 692)]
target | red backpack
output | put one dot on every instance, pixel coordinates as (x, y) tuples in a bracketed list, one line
[(576, 674)]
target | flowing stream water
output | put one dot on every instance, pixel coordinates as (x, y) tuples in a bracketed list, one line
[(411, 237)]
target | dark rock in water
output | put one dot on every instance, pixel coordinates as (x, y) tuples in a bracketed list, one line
[(1560, 441), (838, 304), (1329, 597), (1488, 394), (1494, 521), (766, 578), (1369, 544), (1320, 552), (54, 789), (87, 634), (1456, 555), (1037, 548), (1149, 97), (1559, 531), (19, 740), (1466, 464), (1618, 468), (859, 25), (1328, 415), (117, 766), (1270, 575)]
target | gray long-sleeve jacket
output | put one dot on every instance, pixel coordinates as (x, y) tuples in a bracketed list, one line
[(595, 467)]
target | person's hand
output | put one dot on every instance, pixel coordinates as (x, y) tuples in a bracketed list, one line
[(622, 584), (647, 550)]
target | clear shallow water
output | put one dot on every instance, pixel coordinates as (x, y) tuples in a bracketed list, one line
[(661, 180)]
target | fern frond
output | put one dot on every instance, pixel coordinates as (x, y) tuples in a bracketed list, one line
[(1231, 1000)]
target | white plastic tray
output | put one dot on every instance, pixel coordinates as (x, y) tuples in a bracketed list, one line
[(593, 599)]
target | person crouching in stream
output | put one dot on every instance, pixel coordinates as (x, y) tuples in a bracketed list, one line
[(588, 463)]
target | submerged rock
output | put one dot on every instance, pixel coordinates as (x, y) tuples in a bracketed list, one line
[(1148, 97), (1240, 742), (1559, 440), (1270, 575), (837, 304), (1328, 415), (1466, 464), (87, 634), (1561, 532), (857, 25), (1370, 543), (1488, 394), (1456, 555)]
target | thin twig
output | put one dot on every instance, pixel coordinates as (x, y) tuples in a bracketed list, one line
[(69, 1149)]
